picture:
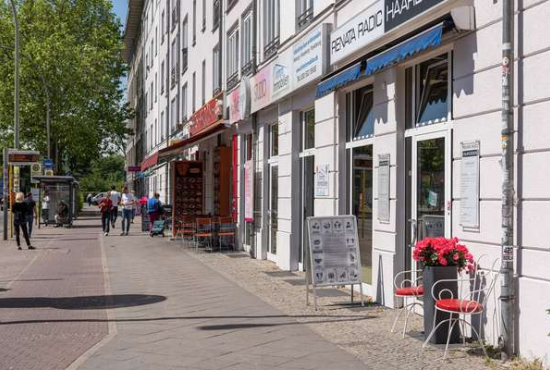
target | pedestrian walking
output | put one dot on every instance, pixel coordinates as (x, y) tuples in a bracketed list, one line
[(31, 215), (115, 198), (20, 211), (153, 209), (127, 202), (46, 208), (89, 198), (105, 206)]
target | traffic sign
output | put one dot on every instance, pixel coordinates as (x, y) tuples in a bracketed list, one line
[(48, 163)]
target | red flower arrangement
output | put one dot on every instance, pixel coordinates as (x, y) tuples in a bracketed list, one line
[(443, 252)]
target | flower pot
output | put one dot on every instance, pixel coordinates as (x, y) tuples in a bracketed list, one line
[(430, 275)]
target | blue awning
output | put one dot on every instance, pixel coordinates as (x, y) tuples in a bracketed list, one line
[(338, 80), (406, 49)]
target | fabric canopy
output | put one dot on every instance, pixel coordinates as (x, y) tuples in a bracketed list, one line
[(339, 80), (404, 50), (178, 147), (150, 161)]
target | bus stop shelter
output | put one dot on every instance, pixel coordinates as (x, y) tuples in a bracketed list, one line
[(58, 200)]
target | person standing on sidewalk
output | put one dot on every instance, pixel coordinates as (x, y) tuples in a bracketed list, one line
[(127, 210), (46, 208), (31, 215), (20, 211), (115, 198), (153, 209), (105, 206)]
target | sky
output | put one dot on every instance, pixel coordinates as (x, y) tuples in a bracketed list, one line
[(121, 8)]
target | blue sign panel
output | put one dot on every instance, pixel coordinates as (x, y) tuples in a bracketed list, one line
[(48, 164)]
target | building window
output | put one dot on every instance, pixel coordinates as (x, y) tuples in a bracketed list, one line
[(203, 15), (307, 120), (163, 27), (156, 86), (174, 114), (271, 27), (231, 4), (304, 9), (274, 140), (185, 49), (194, 22), (248, 39), (156, 133), (151, 93), (432, 91), (233, 58), (175, 14), (194, 97), (156, 41), (184, 103), (216, 70), (174, 75), (162, 77), (216, 15), (362, 120), (203, 83), (162, 126)]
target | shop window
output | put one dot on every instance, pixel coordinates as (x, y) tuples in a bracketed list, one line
[(232, 58), (432, 97), (362, 115), (274, 140), (247, 58), (308, 129)]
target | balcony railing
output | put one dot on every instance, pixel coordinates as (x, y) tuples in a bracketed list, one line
[(233, 80), (271, 48), (174, 76), (247, 68), (185, 59), (305, 18)]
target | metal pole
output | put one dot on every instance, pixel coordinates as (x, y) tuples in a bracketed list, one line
[(507, 267), (16, 79), (5, 192)]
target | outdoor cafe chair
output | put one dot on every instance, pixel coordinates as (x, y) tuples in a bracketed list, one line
[(473, 293), (204, 232), (226, 231), (186, 230), (410, 290)]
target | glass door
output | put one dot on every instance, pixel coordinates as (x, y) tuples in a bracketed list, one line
[(273, 210), (430, 188), (307, 202)]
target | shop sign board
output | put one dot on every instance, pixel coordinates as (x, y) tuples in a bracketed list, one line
[(249, 191), (260, 89), (36, 170), (239, 102), (384, 187), (280, 79), (47, 163), (469, 185), (134, 168), (310, 59), (23, 157), (398, 12), (322, 181), (334, 251), (358, 32), (206, 116)]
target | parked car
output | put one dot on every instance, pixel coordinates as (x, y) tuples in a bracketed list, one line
[(96, 199)]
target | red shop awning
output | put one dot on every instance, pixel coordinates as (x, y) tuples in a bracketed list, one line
[(150, 161), (210, 131)]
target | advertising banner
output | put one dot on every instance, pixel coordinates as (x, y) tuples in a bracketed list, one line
[(260, 89), (249, 191), (322, 181), (384, 187), (310, 57), (398, 12)]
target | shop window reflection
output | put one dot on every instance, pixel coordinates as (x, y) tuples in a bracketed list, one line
[(363, 126), (433, 90)]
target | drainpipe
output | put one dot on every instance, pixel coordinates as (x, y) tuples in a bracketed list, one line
[(507, 267), (253, 251)]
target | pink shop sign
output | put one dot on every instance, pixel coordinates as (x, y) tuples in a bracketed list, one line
[(260, 88)]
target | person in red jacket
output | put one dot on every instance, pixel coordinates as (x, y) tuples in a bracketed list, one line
[(106, 206)]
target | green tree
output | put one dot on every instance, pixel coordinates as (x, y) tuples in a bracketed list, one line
[(75, 46), (105, 172)]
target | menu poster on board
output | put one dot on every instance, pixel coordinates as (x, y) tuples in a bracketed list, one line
[(188, 189), (384, 187), (334, 250), (469, 185)]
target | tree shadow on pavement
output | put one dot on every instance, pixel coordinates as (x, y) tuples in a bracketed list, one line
[(82, 303)]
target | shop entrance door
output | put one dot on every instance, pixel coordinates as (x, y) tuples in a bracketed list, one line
[(273, 209), (429, 186), (307, 164)]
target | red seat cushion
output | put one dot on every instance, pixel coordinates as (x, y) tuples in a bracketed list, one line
[(459, 305), (410, 291)]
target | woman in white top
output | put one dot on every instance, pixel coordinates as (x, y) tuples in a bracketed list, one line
[(127, 201)]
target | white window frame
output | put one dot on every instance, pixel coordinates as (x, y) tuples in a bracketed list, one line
[(216, 68), (184, 114), (233, 52), (247, 39), (271, 22)]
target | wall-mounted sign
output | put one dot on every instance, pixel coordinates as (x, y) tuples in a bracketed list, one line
[(310, 56), (469, 185), (384, 187), (357, 33), (322, 181), (398, 12), (23, 157), (36, 171), (239, 102), (280, 78), (249, 191), (206, 116), (47, 163), (134, 168), (260, 89)]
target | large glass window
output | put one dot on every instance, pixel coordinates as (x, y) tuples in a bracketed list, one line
[(363, 115), (361, 204), (432, 90), (308, 129), (233, 54)]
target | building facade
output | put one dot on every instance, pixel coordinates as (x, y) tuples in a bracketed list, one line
[(390, 111)]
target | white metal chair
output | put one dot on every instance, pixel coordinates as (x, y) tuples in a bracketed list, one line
[(473, 293), (408, 289)]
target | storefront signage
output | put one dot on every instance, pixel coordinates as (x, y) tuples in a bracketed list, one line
[(469, 185), (36, 171), (322, 181), (384, 187), (280, 78), (239, 102), (334, 250), (47, 163), (309, 57), (23, 157), (133, 168), (398, 12), (260, 89), (249, 191), (357, 33), (206, 116)]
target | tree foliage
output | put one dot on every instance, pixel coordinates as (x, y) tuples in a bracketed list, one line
[(105, 172), (74, 46)]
